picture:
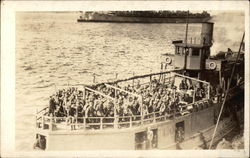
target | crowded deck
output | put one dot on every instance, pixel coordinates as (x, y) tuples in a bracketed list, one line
[(126, 104)]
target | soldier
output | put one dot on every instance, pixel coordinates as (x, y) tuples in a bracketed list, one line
[(72, 113), (52, 106), (224, 144), (183, 85), (150, 136), (219, 93), (179, 135), (40, 142), (144, 143), (37, 143)]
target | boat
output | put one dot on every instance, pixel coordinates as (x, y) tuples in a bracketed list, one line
[(143, 17), (178, 107)]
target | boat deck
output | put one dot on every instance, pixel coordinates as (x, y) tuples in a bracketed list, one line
[(110, 123)]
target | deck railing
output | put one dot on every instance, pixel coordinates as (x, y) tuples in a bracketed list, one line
[(100, 123)]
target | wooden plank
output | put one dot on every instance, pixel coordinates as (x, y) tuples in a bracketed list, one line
[(139, 76), (190, 78), (99, 93), (122, 90)]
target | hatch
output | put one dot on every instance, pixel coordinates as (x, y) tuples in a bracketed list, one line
[(179, 132), (40, 142), (146, 139)]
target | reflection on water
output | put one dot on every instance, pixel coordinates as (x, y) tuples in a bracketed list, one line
[(53, 48)]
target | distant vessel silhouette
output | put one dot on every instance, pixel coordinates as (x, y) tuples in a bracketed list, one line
[(143, 17)]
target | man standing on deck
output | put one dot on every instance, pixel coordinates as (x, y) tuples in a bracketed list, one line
[(52, 106), (219, 92), (150, 136), (72, 114)]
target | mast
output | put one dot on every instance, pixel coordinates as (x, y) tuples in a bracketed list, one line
[(187, 21), (186, 35)]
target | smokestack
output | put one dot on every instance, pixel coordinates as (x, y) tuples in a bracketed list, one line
[(207, 33)]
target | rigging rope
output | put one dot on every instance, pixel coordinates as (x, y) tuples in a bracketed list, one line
[(224, 101)]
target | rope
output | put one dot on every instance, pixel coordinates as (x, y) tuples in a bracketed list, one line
[(224, 101)]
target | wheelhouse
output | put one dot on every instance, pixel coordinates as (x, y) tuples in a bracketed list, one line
[(191, 56)]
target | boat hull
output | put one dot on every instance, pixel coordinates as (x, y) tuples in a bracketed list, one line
[(195, 124)]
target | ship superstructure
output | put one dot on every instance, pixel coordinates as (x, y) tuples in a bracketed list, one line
[(143, 17)]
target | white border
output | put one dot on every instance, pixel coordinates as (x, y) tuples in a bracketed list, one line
[(8, 10)]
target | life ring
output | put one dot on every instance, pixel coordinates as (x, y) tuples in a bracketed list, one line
[(168, 60), (212, 65)]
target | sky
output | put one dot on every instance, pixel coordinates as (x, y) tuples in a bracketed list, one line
[(229, 27)]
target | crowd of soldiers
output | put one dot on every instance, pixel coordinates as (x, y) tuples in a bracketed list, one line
[(167, 98), (72, 102), (128, 100)]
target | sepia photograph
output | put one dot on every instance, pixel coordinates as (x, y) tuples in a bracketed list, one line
[(134, 79)]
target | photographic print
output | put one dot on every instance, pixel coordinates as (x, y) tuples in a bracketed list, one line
[(134, 79), (155, 82)]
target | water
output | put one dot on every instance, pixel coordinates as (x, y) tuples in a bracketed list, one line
[(52, 48)]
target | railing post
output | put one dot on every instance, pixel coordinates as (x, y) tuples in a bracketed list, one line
[(76, 124), (130, 122), (115, 93), (154, 120), (194, 96), (164, 118), (208, 95), (36, 118), (51, 124), (42, 122), (142, 120), (115, 123), (133, 83), (36, 122), (94, 78), (84, 93), (101, 125), (174, 112), (84, 123), (116, 75)]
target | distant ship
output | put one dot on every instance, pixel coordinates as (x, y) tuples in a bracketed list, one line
[(143, 17)]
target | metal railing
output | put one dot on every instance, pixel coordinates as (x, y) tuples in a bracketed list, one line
[(119, 122)]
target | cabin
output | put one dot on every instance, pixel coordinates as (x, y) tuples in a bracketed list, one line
[(193, 56)]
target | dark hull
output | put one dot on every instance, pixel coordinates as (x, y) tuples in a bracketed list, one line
[(141, 20)]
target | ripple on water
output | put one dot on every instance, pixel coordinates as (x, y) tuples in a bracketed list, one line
[(27, 68), (44, 85)]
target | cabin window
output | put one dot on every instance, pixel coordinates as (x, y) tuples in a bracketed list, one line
[(40, 142), (196, 52), (179, 132), (143, 141), (186, 51), (178, 50), (207, 53), (140, 140)]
